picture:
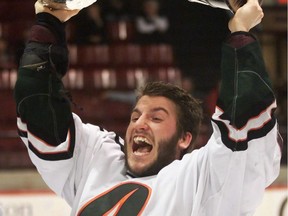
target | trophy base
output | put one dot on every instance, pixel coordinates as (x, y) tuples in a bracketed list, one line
[(66, 4)]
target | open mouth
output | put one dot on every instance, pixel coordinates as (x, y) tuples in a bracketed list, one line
[(141, 146)]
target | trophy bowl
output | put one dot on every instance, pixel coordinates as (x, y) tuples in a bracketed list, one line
[(231, 5), (67, 4)]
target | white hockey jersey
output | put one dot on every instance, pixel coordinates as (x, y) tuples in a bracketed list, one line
[(86, 165)]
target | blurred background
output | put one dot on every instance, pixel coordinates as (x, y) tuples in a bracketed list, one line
[(116, 46)]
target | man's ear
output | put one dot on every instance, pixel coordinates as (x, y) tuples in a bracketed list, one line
[(185, 141)]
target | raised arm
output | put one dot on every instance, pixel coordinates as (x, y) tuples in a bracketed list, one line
[(247, 102), (244, 120), (44, 119), (42, 107)]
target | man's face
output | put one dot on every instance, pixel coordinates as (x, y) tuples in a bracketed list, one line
[(151, 140)]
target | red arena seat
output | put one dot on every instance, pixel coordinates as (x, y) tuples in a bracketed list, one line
[(126, 54), (87, 55), (121, 31), (160, 54)]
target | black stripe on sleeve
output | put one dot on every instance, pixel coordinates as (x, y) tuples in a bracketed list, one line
[(252, 134), (117, 140), (60, 155), (22, 134)]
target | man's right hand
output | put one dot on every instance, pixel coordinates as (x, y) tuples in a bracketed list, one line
[(62, 15), (246, 17)]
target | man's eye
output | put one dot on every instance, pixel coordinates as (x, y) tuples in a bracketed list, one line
[(134, 118), (156, 119)]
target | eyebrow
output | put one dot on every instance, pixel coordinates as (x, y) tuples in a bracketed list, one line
[(156, 109)]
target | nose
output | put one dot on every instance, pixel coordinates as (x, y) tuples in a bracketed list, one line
[(141, 124)]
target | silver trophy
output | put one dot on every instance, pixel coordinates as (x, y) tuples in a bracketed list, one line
[(67, 4), (231, 5)]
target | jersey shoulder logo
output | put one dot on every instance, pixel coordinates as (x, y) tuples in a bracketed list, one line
[(129, 199)]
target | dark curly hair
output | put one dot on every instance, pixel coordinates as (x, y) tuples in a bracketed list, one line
[(189, 109)]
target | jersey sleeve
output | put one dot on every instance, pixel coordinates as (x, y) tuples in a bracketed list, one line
[(63, 148), (246, 105), (44, 118), (244, 122)]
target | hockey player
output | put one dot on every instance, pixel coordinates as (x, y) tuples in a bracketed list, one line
[(153, 171)]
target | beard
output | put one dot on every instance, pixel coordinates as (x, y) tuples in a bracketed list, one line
[(167, 153)]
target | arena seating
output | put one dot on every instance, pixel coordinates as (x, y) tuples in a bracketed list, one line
[(120, 66), (121, 31), (89, 55)]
